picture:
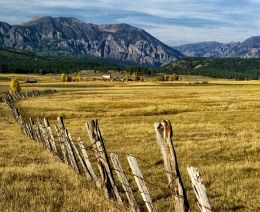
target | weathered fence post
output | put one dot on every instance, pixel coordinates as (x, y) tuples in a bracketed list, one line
[(199, 189), (108, 182), (87, 163), (74, 148), (38, 125), (62, 144), (164, 139), (33, 129), (21, 122), (30, 129), (68, 145), (125, 184), (72, 155), (45, 136), (50, 135), (139, 179)]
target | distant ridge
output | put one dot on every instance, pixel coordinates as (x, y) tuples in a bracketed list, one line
[(33, 19), (68, 35), (249, 48)]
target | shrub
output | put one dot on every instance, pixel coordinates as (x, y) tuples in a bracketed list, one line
[(62, 77), (14, 86), (166, 78), (174, 77), (160, 78), (78, 77), (68, 78), (136, 76), (65, 77)]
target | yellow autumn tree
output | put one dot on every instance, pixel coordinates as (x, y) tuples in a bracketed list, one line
[(78, 77), (14, 86), (62, 77)]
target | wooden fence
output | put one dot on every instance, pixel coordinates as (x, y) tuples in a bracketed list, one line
[(66, 150)]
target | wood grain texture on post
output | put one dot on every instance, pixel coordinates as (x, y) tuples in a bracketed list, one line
[(39, 133), (124, 182), (80, 160), (50, 135), (68, 150), (87, 163), (42, 131), (140, 182), (98, 146), (199, 189), (72, 154), (33, 129), (164, 140), (67, 145), (45, 136), (37, 136), (30, 130), (62, 144)]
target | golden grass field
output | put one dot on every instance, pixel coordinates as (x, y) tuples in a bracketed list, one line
[(216, 128)]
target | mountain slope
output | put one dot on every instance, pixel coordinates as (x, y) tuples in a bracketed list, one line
[(250, 48), (202, 49), (72, 36)]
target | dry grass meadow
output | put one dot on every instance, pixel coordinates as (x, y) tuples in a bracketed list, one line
[(216, 128)]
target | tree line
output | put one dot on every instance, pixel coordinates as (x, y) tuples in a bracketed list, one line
[(27, 62), (227, 68), (21, 62)]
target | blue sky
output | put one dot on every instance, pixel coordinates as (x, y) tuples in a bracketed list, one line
[(172, 21)]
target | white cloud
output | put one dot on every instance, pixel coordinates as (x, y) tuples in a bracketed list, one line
[(183, 34), (172, 20)]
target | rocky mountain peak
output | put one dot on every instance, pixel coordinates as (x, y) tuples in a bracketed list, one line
[(72, 36)]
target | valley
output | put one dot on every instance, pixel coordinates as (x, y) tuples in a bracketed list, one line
[(215, 129)]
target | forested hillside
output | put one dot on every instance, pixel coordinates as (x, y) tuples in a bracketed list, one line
[(25, 62), (228, 68)]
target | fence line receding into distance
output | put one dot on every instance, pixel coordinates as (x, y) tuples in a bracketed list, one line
[(75, 155)]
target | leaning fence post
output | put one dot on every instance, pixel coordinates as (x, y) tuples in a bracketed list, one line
[(125, 184), (87, 163), (199, 189), (45, 137), (40, 135), (140, 182), (67, 143), (164, 139), (51, 137), (74, 148), (62, 145), (108, 182), (33, 129), (72, 153)]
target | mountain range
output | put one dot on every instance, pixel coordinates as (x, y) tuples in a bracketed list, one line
[(122, 42), (68, 35), (249, 48)]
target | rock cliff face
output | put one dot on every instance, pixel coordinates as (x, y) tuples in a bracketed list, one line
[(250, 48), (72, 36)]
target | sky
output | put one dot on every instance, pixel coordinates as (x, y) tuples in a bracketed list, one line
[(174, 22)]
